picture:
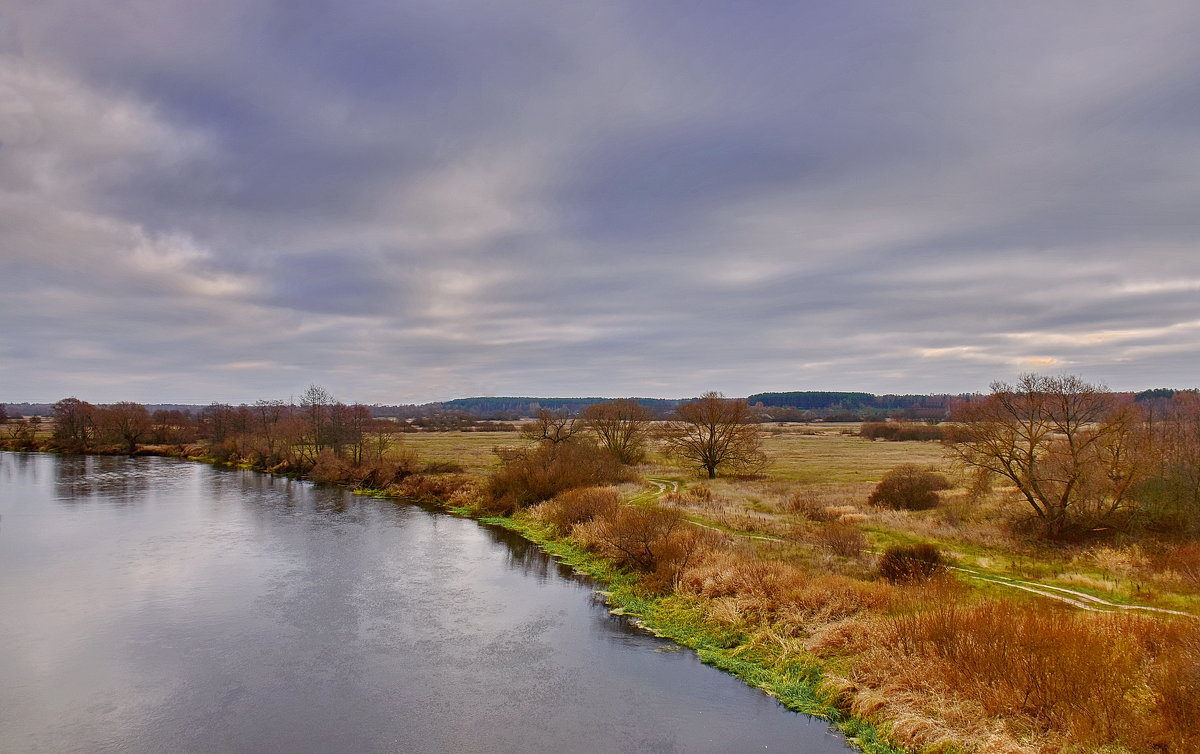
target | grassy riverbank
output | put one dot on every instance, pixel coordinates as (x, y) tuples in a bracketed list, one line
[(795, 682)]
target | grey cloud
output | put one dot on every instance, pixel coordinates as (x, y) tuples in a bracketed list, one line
[(410, 201)]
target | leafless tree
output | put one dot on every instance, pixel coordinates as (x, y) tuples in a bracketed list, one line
[(1069, 447), (126, 422), (74, 424), (552, 427), (1171, 499), (315, 404), (714, 432), (623, 427)]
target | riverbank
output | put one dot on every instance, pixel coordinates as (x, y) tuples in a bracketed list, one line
[(796, 684)]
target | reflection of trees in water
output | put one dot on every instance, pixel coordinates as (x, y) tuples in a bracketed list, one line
[(525, 556), (120, 479), (14, 464), (274, 492), (531, 560)]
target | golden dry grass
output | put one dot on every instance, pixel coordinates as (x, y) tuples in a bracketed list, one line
[(471, 450)]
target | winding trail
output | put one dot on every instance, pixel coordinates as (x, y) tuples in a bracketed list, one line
[(1082, 600)]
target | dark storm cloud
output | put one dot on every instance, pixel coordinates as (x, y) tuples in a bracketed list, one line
[(410, 201)]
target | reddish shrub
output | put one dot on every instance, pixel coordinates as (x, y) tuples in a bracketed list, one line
[(535, 474), (909, 487), (910, 563), (566, 509)]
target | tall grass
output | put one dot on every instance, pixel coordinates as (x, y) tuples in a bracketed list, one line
[(1000, 674)]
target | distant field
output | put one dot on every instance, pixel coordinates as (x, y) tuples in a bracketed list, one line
[(799, 453), (829, 453), (472, 450)]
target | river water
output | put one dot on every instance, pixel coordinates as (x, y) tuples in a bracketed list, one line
[(154, 605)]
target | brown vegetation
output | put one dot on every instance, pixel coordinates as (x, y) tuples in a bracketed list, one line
[(904, 564), (909, 487), (1069, 447), (714, 432), (623, 428), (568, 509), (532, 474), (900, 431), (997, 675), (656, 541)]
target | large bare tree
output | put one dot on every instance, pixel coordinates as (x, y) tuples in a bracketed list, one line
[(1069, 447), (552, 427), (126, 422), (714, 432), (623, 427), (74, 424)]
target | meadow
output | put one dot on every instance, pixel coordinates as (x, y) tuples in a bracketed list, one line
[(1018, 645)]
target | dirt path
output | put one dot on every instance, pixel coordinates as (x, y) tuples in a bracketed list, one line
[(1082, 600)]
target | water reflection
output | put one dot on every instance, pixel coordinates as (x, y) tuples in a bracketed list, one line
[(112, 479), (185, 608), (522, 555)]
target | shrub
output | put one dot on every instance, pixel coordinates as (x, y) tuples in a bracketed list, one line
[(225, 451), (1182, 559), (843, 540), (901, 431), (531, 475), (655, 541), (566, 509), (809, 504), (909, 487), (903, 564), (329, 469), (1175, 681), (439, 488)]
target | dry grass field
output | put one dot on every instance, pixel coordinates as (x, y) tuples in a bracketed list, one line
[(813, 497)]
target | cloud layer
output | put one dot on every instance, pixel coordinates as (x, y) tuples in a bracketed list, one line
[(415, 201)]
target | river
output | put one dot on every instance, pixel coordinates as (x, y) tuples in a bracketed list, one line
[(150, 604)]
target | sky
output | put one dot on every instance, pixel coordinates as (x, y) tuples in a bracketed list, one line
[(407, 202)]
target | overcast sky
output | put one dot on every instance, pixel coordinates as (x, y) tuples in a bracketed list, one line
[(413, 201)]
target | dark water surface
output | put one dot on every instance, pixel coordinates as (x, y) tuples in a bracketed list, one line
[(156, 605)]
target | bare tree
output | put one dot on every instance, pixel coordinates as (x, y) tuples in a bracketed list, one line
[(1069, 447), (315, 405), (126, 422), (623, 427), (74, 424), (713, 432), (552, 427), (1171, 498)]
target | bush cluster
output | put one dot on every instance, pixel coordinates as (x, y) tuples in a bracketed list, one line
[(906, 564), (568, 509), (909, 487), (900, 431), (531, 475), (655, 541)]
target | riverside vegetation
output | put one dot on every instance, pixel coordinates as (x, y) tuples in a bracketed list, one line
[(876, 583)]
